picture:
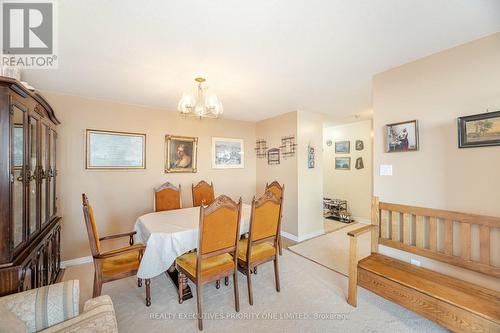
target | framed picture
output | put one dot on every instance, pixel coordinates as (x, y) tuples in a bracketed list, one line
[(180, 154), (401, 137), (114, 150), (480, 130), (342, 147), (342, 163), (228, 153), (360, 145)]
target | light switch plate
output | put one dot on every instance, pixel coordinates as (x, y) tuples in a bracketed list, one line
[(385, 170)]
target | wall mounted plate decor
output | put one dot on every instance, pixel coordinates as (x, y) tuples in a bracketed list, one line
[(480, 130), (342, 163), (114, 150), (228, 153), (180, 154), (342, 147), (310, 157), (401, 137), (273, 156), (261, 148), (360, 145), (329, 143), (359, 163), (288, 146)]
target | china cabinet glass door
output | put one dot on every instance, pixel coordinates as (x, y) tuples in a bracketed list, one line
[(33, 225), (53, 174), (44, 174), (18, 144)]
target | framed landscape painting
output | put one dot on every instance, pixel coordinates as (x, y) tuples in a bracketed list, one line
[(342, 147), (342, 163), (402, 137), (181, 154), (228, 153), (481, 130), (114, 150)]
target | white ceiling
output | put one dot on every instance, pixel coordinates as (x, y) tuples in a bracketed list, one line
[(261, 57)]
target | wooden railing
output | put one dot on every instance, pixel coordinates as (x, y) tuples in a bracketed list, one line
[(436, 234)]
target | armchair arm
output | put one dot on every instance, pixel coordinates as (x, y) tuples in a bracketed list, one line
[(130, 234), (117, 252), (45, 306), (360, 231), (98, 316)]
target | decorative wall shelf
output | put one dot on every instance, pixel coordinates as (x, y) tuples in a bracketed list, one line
[(288, 146), (261, 148)]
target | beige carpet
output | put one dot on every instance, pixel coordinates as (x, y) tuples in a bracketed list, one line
[(332, 225), (308, 290), (331, 250)]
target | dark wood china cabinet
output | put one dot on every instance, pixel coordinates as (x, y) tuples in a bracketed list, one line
[(29, 223)]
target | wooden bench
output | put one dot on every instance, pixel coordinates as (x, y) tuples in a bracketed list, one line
[(451, 302)]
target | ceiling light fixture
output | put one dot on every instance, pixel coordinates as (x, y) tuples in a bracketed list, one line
[(201, 104)]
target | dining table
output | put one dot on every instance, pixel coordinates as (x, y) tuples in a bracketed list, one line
[(169, 234)]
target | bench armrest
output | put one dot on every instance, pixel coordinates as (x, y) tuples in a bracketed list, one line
[(360, 231)]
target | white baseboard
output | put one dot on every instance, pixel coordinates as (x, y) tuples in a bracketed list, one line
[(76, 261), (303, 237), (289, 236)]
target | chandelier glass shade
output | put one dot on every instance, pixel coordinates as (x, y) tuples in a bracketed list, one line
[(201, 104)]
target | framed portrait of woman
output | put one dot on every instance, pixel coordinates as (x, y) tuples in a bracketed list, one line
[(180, 154)]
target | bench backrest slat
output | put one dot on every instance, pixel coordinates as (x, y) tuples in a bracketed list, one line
[(441, 235)]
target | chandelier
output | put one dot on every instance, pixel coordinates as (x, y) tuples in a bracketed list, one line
[(200, 105)]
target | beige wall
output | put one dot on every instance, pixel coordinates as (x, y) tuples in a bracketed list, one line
[(355, 186), (436, 90), (119, 197), (310, 183), (272, 130)]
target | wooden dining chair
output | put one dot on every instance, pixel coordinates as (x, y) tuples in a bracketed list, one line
[(215, 256), (114, 264), (203, 193), (167, 197), (279, 191), (262, 242)]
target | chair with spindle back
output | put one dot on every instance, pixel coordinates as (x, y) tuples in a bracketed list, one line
[(279, 191), (167, 197), (216, 255), (115, 264), (262, 242), (203, 193), (454, 303)]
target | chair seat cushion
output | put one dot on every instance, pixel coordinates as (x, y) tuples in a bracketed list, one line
[(470, 297), (122, 263), (209, 267), (259, 251)]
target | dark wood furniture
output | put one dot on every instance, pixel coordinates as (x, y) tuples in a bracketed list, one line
[(203, 193), (279, 191), (262, 242), (29, 224), (115, 264), (216, 256), (456, 304)]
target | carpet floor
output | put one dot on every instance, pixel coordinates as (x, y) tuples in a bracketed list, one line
[(332, 249), (312, 299)]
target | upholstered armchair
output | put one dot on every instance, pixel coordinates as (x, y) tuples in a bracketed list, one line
[(55, 308)]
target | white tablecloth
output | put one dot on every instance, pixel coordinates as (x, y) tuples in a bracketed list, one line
[(169, 234)]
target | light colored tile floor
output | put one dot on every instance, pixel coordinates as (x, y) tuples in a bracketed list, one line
[(307, 290)]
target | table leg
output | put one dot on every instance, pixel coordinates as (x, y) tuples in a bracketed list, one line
[(174, 274)]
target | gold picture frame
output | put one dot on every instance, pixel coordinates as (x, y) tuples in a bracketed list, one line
[(181, 154), (114, 150)]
